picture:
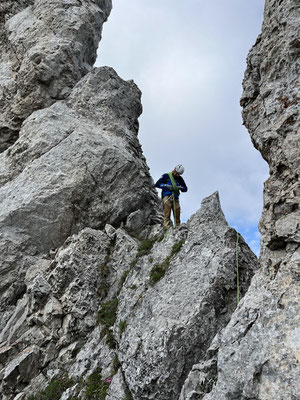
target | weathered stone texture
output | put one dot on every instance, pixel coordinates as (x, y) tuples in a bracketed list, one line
[(78, 202), (77, 163), (160, 330), (257, 355), (44, 52), (271, 113), (170, 325)]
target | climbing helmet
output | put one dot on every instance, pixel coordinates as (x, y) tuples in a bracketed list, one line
[(180, 169)]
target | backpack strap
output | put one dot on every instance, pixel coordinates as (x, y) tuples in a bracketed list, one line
[(175, 188)]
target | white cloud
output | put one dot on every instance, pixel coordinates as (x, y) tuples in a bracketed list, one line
[(188, 58)]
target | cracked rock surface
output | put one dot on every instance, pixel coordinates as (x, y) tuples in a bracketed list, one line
[(170, 325), (257, 355), (77, 163), (159, 328), (44, 52), (95, 298)]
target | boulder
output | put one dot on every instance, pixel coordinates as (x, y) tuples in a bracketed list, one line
[(21, 369)]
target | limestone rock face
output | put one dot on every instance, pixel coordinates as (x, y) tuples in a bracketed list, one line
[(257, 355), (170, 325), (94, 296), (159, 325), (45, 51), (77, 163), (271, 113)]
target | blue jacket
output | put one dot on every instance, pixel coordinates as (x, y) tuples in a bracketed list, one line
[(165, 180)]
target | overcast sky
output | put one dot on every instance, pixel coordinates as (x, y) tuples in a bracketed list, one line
[(188, 58)]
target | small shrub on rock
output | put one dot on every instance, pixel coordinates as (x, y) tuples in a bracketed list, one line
[(107, 317), (96, 388), (54, 390), (159, 270)]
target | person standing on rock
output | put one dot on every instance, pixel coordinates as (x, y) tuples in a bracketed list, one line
[(171, 185)]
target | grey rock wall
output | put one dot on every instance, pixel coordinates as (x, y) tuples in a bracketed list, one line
[(44, 52), (170, 325), (257, 355), (77, 163), (78, 205), (160, 328)]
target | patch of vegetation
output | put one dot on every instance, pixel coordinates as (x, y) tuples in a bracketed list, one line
[(107, 317), (128, 395), (104, 273), (54, 390), (139, 346), (107, 312), (110, 340), (159, 270), (144, 248), (133, 287), (134, 262), (157, 273), (123, 277), (122, 326), (96, 388), (115, 365), (176, 248)]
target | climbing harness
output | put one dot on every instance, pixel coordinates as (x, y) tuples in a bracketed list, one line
[(237, 268)]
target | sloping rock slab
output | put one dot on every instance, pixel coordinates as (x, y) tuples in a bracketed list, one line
[(170, 325)]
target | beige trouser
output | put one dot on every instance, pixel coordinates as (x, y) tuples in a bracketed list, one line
[(168, 203)]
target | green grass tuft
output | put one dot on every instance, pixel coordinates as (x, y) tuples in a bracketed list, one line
[(145, 247), (115, 365), (54, 390), (159, 270), (107, 313), (96, 389), (122, 326), (128, 395), (107, 317), (123, 277), (176, 248), (133, 287)]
